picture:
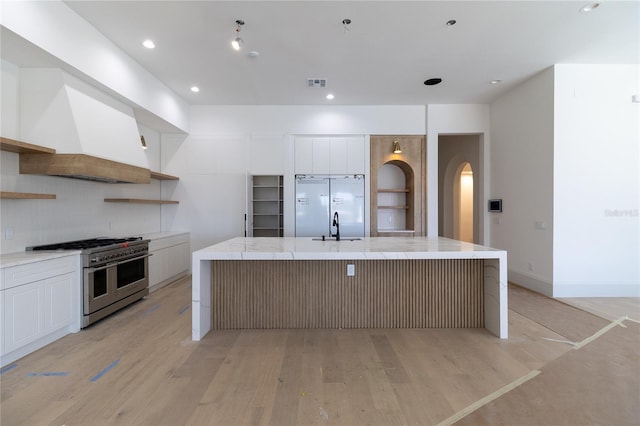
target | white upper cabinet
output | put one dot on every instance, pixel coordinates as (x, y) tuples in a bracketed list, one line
[(330, 155)]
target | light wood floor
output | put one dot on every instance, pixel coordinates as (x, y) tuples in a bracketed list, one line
[(140, 366)]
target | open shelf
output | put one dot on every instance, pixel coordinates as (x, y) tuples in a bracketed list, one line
[(162, 176), (13, 145), (266, 206), (138, 201), (26, 196), (393, 207)]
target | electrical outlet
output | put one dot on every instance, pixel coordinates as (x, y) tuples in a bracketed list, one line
[(351, 270), (530, 265), (8, 233)]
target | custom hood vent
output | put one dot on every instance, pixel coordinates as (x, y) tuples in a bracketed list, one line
[(95, 136)]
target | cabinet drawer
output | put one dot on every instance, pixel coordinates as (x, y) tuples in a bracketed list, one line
[(162, 243), (18, 275)]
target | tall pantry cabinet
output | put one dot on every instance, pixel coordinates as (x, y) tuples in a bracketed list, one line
[(267, 199)]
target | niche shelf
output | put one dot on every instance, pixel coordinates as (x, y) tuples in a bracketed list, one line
[(138, 201), (397, 191)]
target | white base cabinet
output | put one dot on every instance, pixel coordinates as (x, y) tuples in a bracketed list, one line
[(39, 305), (170, 259)]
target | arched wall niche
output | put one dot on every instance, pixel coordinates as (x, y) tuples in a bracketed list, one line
[(398, 204)]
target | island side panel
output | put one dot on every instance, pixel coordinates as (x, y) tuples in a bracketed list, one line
[(495, 296), (201, 298), (416, 293)]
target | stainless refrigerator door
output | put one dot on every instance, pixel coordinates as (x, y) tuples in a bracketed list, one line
[(312, 206), (347, 198)]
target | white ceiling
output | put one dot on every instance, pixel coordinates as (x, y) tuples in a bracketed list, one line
[(381, 58)]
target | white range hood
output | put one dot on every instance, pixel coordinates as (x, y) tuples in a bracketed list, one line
[(95, 136)]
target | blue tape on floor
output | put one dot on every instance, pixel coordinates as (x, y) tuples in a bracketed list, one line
[(105, 371), (148, 311), (182, 311), (48, 373), (7, 368)]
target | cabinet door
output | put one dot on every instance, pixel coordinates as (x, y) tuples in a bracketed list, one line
[(355, 155), (339, 157), (158, 267), (179, 259), (322, 156), (58, 292), (24, 319), (303, 149)]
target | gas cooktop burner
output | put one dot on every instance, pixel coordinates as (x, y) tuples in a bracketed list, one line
[(86, 244)]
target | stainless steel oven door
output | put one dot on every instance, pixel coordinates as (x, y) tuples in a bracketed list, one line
[(98, 287), (132, 276)]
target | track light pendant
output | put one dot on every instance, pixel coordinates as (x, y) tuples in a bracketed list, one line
[(237, 42)]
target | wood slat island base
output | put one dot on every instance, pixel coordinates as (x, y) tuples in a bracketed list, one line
[(310, 294), (399, 282)]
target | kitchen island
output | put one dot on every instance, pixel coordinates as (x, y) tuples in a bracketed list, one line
[(383, 282)]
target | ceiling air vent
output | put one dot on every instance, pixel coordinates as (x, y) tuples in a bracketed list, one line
[(317, 82)]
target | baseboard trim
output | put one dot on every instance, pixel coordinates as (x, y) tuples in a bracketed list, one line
[(532, 283), (575, 289), (599, 289)]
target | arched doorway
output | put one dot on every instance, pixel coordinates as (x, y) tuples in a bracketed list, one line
[(464, 209), (460, 183)]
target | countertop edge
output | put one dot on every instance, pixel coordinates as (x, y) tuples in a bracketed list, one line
[(25, 257)]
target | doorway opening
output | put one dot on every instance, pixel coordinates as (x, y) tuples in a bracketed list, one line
[(463, 212), (460, 187)]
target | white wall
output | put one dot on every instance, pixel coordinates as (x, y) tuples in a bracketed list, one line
[(565, 158), (596, 181), (227, 144), (522, 169), (448, 119)]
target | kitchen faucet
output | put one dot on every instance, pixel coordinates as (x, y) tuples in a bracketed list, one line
[(336, 223)]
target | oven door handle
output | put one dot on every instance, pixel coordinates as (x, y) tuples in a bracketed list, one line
[(134, 258), (107, 266)]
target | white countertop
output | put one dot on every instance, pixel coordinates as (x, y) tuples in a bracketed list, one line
[(24, 257), (166, 234), (288, 248)]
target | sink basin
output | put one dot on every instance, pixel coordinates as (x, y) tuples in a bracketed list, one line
[(333, 239)]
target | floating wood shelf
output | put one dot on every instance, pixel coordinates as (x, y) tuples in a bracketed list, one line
[(138, 201), (26, 196), (162, 176), (394, 190), (393, 207), (13, 145)]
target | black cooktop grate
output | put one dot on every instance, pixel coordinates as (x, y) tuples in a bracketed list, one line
[(86, 244)]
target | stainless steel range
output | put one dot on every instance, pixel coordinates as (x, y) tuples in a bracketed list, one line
[(115, 273)]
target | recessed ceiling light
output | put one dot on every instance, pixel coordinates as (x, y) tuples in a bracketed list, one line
[(330, 96), (496, 81), (589, 7), (451, 22), (432, 81), (149, 44), (195, 89)]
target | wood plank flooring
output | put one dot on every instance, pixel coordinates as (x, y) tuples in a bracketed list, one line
[(140, 367)]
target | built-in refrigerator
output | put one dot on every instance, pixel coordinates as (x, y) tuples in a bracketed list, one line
[(319, 197)]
